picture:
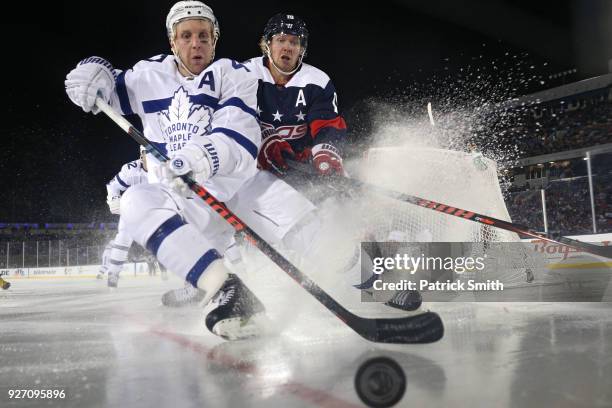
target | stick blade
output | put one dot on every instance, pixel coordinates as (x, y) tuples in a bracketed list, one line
[(595, 249), (423, 328)]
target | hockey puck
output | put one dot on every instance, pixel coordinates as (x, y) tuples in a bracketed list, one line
[(380, 382)]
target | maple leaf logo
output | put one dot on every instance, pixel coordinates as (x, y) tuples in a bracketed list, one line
[(181, 110), (178, 111), (201, 116)]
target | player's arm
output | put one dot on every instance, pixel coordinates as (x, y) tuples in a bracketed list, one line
[(95, 76), (115, 188), (130, 84), (328, 130)]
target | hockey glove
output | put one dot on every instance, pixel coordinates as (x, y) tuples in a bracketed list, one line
[(272, 154), (92, 76), (326, 160), (114, 204), (192, 159)]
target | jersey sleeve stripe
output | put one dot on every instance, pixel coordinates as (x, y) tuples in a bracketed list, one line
[(316, 125), (124, 100), (239, 103), (206, 100), (240, 139), (122, 182), (156, 105)]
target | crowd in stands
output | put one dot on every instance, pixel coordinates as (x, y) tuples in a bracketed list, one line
[(568, 206), (576, 122), (562, 125)]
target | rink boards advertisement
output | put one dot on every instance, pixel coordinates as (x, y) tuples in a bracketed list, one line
[(531, 270), (135, 269), (561, 256), (558, 258)]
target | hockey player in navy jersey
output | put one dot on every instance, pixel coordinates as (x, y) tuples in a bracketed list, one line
[(203, 114), (297, 103), (298, 111)]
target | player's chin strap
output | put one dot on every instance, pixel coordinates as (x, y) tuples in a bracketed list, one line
[(299, 64)]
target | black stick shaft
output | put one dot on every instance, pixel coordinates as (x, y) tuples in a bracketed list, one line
[(351, 183)]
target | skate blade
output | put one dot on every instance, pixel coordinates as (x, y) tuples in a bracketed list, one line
[(239, 328), (202, 303)]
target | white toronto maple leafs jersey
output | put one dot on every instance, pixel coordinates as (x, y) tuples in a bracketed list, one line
[(216, 109), (131, 173)]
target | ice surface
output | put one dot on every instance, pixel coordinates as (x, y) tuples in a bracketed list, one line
[(121, 348)]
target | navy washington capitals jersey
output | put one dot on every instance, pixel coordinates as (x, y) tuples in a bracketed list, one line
[(304, 112)]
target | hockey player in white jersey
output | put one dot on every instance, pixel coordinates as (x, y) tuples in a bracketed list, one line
[(131, 174), (203, 114)]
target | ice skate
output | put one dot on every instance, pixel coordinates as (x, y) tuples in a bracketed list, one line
[(239, 314), (113, 280), (185, 296), (408, 300)]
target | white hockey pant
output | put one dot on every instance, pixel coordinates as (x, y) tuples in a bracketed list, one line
[(184, 236), (119, 249)]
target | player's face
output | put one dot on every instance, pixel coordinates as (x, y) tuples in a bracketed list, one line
[(194, 43), (285, 51)]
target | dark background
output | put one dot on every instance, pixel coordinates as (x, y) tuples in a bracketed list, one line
[(56, 159)]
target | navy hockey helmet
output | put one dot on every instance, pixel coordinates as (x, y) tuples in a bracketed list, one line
[(287, 24)]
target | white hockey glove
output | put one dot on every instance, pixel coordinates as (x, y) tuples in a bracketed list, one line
[(114, 204), (192, 159), (92, 76)]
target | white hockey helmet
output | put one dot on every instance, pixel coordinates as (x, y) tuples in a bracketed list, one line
[(183, 10)]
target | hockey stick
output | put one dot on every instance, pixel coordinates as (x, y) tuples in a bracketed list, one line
[(423, 328), (351, 183), (430, 114)]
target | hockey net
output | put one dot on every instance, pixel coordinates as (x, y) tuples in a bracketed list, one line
[(458, 179), (451, 177)]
